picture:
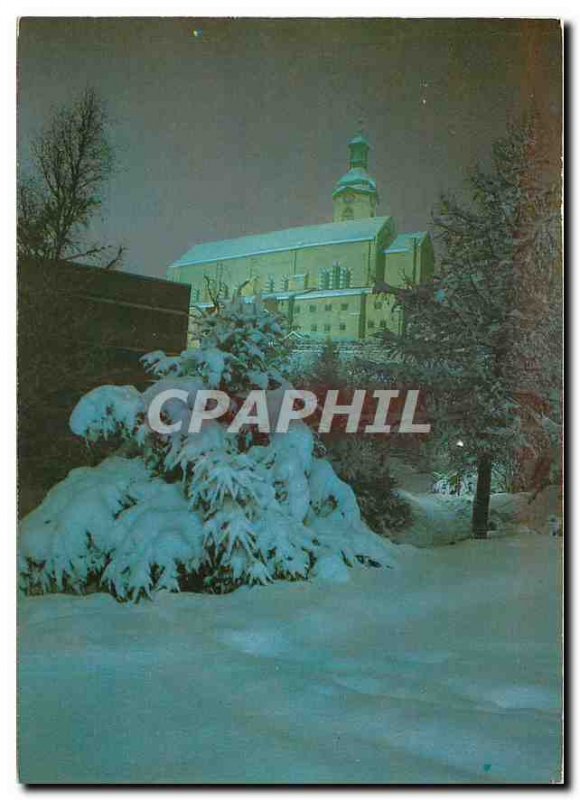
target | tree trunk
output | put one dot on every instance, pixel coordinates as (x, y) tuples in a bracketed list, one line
[(480, 516)]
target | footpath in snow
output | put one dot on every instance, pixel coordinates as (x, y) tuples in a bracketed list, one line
[(445, 669)]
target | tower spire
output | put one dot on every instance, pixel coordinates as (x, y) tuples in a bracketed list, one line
[(359, 152), (355, 195)]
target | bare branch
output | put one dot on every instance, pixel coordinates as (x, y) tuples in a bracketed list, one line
[(73, 160)]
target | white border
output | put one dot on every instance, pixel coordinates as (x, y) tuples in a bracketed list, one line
[(9, 12)]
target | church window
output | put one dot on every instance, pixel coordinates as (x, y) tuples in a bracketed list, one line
[(335, 276), (347, 214), (324, 279), (328, 307), (378, 304), (344, 278), (339, 277), (314, 328)]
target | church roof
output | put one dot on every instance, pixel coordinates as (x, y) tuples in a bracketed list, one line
[(403, 241), (360, 230)]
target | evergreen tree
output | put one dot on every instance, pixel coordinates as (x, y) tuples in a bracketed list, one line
[(207, 511), (483, 337), (328, 370)]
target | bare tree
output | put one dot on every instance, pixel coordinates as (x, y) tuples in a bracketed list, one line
[(72, 160)]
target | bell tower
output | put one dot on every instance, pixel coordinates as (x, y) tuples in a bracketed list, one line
[(355, 195)]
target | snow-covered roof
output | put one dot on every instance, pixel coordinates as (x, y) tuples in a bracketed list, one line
[(359, 139), (358, 179), (403, 241), (318, 293), (303, 294), (290, 239)]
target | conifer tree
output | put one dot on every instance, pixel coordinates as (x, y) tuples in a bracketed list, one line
[(209, 510), (483, 337), (328, 370)]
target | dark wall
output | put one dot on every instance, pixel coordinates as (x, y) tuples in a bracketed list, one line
[(80, 327)]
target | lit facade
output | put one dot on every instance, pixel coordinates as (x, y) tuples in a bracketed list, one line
[(321, 277)]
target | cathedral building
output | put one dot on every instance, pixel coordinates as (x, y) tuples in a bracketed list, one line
[(321, 277)]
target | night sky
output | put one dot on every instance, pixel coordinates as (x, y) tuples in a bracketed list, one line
[(243, 128)]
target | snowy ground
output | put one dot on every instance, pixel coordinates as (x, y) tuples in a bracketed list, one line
[(445, 670)]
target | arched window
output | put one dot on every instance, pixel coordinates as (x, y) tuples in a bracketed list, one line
[(324, 279), (344, 278), (347, 214)]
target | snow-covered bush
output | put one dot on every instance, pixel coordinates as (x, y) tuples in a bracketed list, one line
[(207, 511), (455, 482), (363, 464), (360, 460)]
